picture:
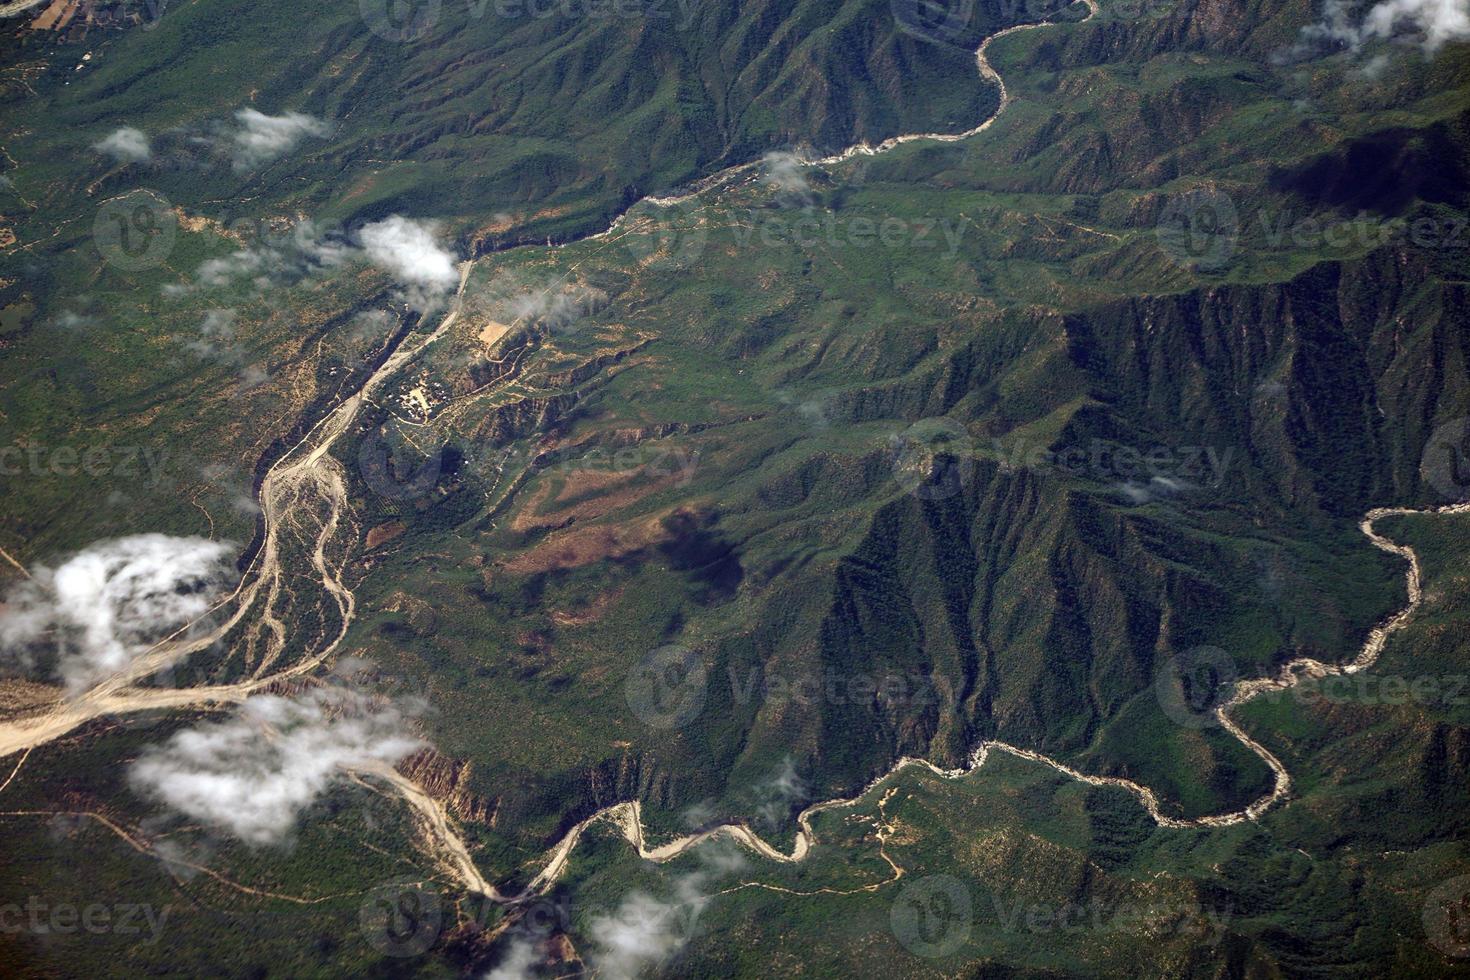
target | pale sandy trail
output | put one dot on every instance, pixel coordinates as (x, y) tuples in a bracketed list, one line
[(627, 817), (982, 65), (19, 7), (438, 827)]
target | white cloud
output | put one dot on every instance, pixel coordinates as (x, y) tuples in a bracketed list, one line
[(775, 796), (71, 320), (216, 340), (644, 930), (302, 251), (126, 145), (518, 962), (253, 375), (252, 775), (318, 247), (235, 486), (261, 138), (371, 326), (786, 173), (97, 610), (405, 248), (557, 309), (409, 251), (640, 934), (216, 273), (1433, 23), (1158, 488), (1439, 21), (177, 859)]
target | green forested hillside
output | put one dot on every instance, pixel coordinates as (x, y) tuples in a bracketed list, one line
[(958, 442)]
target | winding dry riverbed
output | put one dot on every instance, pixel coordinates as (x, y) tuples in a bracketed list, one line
[(308, 470), (627, 818)]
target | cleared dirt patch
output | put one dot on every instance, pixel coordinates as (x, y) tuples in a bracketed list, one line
[(56, 16), (383, 533), (492, 332), (579, 546), (591, 612), (624, 492)]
